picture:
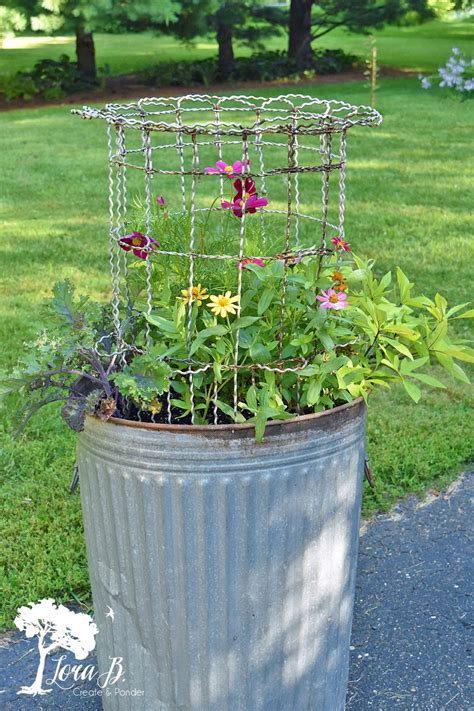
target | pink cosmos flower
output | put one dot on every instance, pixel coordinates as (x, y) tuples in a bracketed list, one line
[(246, 198), (231, 171), (239, 206), (331, 299), (246, 189), (248, 260), (139, 244), (341, 244), (160, 200)]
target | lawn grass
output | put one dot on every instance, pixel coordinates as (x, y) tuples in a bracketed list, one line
[(420, 48), (408, 202)]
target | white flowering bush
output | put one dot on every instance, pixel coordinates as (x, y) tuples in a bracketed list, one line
[(457, 74)]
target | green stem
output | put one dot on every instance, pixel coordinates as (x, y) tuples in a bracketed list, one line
[(228, 213), (204, 229)]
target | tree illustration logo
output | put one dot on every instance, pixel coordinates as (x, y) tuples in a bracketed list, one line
[(56, 627)]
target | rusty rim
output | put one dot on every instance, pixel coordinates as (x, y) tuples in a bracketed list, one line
[(244, 427)]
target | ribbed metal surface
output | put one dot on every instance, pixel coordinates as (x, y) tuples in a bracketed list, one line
[(229, 565)]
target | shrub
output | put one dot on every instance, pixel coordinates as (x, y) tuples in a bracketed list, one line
[(53, 79), (264, 66), (49, 78)]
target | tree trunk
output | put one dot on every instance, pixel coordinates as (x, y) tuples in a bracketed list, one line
[(85, 52), (299, 40), (226, 50)]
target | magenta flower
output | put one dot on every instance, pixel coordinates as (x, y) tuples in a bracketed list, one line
[(160, 200), (248, 260), (331, 299), (247, 201), (240, 206), (341, 244), (231, 171), (245, 190), (139, 244)]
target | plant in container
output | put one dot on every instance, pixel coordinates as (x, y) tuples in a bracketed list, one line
[(220, 399)]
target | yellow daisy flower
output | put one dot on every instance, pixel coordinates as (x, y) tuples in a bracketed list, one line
[(198, 294), (224, 304)]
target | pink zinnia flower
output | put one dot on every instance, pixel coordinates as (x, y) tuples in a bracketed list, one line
[(231, 171), (160, 200), (248, 260), (139, 244), (331, 299), (247, 201), (341, 244)]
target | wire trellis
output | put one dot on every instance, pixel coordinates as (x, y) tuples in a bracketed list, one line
[(293, 138)]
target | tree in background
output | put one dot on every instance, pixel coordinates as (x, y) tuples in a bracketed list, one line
[(88, 16), (247, 21), (310, 20)]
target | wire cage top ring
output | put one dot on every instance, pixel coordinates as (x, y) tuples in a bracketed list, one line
[(233, 115), (174, 166)]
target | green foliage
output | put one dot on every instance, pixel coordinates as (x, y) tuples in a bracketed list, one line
[(182, 73), (79, 360), (99, 14), (384, 334), (144, 379), (20, 86), (364, 14), (70, 362), (263, 66), (11, 21), (49, 78), (446, 7)]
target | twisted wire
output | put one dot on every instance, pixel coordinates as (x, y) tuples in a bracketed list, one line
[(218, 143), (342, 193), (297, 230), (149, 267), (191, 266), (251, 174), (317, 115), (115, 295), (179, 148), (291, 159), (245, 158), (261, 175), (122, 209)]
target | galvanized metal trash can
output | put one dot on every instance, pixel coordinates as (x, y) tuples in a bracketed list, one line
[(229, 565)]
